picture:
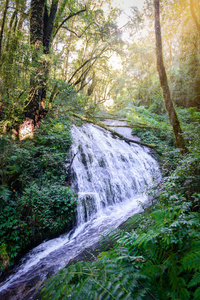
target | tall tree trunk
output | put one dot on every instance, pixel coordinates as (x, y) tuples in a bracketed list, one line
[(2, 26), (49, 20), (49, 25), (37, 74), (173, 118), (41, 32)]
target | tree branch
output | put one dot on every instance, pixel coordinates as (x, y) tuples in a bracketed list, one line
[(133, 126), (87, 61), (79, 36), (103, 125), (67, 28), (83, 75), (66, 19)]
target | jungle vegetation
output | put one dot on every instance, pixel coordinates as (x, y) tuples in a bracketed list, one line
[(59, 58)]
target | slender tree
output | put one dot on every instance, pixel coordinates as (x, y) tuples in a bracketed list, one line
[(173, 118)]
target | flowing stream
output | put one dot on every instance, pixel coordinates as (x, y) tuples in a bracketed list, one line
[(110, 177)]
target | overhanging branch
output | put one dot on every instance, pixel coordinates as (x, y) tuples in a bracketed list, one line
[(86, 62), (70, 30), (69, 17)]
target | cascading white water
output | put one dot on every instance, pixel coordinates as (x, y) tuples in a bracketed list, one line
[(108, 171), (110, 178)]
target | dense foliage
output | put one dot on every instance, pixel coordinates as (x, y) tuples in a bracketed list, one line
[(36, 202), (65, 44), (154, 128)]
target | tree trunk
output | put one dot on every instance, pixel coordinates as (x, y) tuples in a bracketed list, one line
[(173, 118), (114, 133), (49, 25), (37, 74), (49, 20), (3, 25), (42, 27), (41, 31)]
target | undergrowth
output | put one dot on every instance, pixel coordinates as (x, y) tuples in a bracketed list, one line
[(150, 127), (35, 201), (155, 129)]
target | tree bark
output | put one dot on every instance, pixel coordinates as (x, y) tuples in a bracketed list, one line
[(37, 75), (2, 26), (49, 20), (173, 118), (41, 31), (49, 25)]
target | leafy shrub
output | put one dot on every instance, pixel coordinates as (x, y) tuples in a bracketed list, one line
[(152, 128), (35, 202), (47, 208)]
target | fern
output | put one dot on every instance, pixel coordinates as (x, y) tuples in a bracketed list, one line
[(103, 279), (195, 280), (5, 193), (191, 261)]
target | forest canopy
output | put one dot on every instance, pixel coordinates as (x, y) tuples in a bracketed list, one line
[(49, 49)]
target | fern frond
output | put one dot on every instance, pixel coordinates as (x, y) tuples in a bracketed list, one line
[(144, 238), (195, 280), (191, 261)]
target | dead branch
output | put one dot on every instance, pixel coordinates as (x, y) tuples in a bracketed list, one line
[(104, 126), (133, 126)]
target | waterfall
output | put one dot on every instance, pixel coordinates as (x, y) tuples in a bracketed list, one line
[(108, 171), (110, 178)]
